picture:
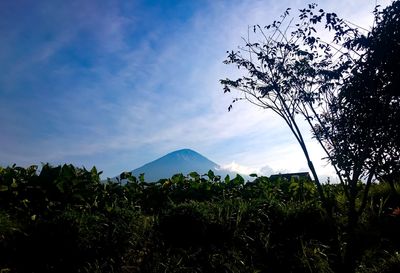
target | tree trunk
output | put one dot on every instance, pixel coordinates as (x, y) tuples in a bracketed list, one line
[(351, 249), (320, 190)]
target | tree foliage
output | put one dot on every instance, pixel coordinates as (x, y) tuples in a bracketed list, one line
[(364, 124), (292, 71), (361, 126), (344, 83)]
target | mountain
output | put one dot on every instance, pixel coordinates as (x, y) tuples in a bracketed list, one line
[(181, 161)]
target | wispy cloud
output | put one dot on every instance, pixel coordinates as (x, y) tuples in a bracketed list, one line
[(116, 85)]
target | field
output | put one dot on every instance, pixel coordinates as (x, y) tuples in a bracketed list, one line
[(64, 219)]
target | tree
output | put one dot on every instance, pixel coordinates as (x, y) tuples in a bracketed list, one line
[(295, 72), (345, 87), (368, 105)]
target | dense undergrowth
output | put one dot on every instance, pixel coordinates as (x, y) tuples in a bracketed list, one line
[(64, 219)]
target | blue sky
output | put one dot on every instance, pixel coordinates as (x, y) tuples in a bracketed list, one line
[(119, 83)]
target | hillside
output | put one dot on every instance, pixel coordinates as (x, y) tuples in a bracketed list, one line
[(182, 161)]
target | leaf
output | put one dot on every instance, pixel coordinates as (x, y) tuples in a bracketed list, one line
[(93, 170), (124, 175), (25, 202), (141, 177), (132, 178), (32, 169), (14, 183), (238, 180), (211, 175), (3, 188), (227, 179), (194, 175), (253, 175), (109, 208)]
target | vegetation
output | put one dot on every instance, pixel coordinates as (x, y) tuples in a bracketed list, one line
[(64, 219), (344, 86)]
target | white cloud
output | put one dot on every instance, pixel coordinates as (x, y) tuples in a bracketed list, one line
[(163, 120), (237, 168), (169, 96), (267, 171)]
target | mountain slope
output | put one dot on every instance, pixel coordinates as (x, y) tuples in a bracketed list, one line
[(180, 161)]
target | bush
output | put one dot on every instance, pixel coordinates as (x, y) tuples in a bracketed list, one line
[(63, 219)]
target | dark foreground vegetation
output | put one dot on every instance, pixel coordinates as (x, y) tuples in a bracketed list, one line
[(64, 219)]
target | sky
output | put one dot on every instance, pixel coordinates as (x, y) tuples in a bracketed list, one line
[(116, 84)]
